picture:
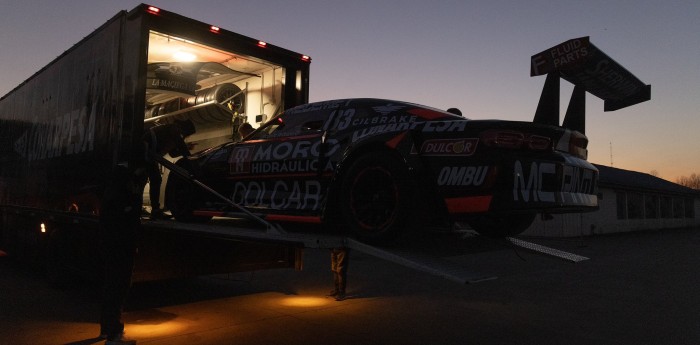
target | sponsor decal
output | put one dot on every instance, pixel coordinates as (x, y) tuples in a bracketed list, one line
[(399, 124), (462, 176), (444, 126), (318, 106), (612, 77), (574, 181), (382, 120), (449, 147), (388, 109), (282, 167), (68, 134), (172, 85), (240, 158), (280, 157), (279, 195), (339, 120), (563, 55)]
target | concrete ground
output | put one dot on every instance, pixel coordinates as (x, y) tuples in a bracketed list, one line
[(636, 289)]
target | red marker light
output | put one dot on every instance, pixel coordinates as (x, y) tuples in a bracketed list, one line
[(262, 44), (305, 58), (214, 29), (153, 10)]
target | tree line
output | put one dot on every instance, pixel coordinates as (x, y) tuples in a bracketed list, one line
[(692, 181)]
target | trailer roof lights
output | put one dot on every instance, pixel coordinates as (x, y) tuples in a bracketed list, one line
[(214, 29), (153, 10), (262, 44), (305, 58)]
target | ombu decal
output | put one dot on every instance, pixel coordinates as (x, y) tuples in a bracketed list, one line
[(462, 176)]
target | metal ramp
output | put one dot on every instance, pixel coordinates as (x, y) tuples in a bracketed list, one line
[(430, 264), (538, 248)]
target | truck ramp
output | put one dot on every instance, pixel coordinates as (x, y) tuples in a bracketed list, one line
[(414, 259)]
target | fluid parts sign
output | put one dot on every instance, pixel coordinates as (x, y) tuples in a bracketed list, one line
[(566, 55)]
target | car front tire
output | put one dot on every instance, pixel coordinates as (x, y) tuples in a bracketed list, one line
[(376, 198)]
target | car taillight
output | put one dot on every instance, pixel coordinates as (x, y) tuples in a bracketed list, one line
[(515, 140)]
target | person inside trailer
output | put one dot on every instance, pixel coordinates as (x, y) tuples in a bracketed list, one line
[(162, 139)]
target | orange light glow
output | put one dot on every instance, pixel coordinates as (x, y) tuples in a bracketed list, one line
[(43, 228), (141, 331), (305, 301)]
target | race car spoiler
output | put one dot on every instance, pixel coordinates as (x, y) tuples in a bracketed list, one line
[(590, 70)]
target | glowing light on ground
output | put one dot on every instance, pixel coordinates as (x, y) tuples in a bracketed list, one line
[(158, 330), (305, 301)]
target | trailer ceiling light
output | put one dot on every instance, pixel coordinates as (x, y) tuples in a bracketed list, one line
[(214, 29), (153, 10), (184, 56), (262, 44)]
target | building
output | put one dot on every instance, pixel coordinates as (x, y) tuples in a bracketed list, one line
[(629, 201)]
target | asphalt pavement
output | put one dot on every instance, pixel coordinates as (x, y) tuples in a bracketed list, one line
[(636, 288)]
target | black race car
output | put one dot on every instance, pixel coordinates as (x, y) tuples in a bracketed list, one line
[(379, 167)]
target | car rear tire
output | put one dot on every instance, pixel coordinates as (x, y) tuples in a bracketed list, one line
[(182, 197), (376, 198), (502, 225)]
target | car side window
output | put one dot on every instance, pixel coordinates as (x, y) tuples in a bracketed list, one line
[(292, 125)]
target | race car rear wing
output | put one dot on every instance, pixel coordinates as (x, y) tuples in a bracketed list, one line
[(590, 70)]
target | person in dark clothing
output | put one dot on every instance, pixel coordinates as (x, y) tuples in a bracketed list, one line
[(245, 129), (161, 140), (339, 267), (120, 225)]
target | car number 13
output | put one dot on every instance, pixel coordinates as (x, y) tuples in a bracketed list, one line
[(339, 120)]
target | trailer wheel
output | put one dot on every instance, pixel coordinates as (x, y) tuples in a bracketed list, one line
[(183, 198), (502, 225), (376, 199)]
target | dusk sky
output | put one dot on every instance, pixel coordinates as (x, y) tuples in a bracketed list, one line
[(448, 53)]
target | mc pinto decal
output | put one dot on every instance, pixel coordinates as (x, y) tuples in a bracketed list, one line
[(279, 195), (449, 147), (462, 176), (529, 187)]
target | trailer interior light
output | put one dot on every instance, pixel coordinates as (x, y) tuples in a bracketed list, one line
[(214, 29), (43, 228), (153, 10), (184, 56), (262, 44)]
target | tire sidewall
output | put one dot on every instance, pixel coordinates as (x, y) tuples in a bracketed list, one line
[(395, 170)]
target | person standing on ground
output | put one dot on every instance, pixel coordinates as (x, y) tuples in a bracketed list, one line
[(120, 225), (339, 267)]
